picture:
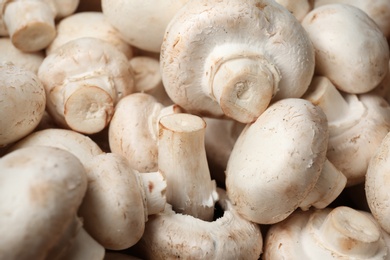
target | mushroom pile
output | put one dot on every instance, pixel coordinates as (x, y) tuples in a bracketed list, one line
[(194, 129)]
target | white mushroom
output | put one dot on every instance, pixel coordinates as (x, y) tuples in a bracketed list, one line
[(31, 23), (41, 190), (83, 84), (232, 57), (133, 130), (350, 48), (141, 23), (28, 60), (88, 24), (169, 235), (182, 160), (23, 101), (299, 8), (377, 10), (357, 125), (339, 233), (3, 27), (279, 163)]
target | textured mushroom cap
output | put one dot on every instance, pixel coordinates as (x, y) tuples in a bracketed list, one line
[(41, 190), (277, 160), (88, 24), (341, 55), (299, 8), (23, 102), (141, 23), (377, 184), (259, 29)]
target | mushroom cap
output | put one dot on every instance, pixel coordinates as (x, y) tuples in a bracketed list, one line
[(141, 23), (277, 160), (41, 190), (299, 8), (233, 30), (377, 184), (88, 24), (341, 55), (83, 84), (23, 102)]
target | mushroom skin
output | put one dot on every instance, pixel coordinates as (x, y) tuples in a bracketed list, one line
[(377, 183), (277, 161), (84, 84), (41, 190), (355, 71), (141, 23), (171, 235), (331, 233), (23, 102), (230, 58), (299, 8)]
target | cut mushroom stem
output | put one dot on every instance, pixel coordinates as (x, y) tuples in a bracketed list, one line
[(182, 159), (243, 82), (328, 187)]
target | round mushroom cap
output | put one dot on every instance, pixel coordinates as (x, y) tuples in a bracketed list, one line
[(277, 160), (41, 189), (23, 102)]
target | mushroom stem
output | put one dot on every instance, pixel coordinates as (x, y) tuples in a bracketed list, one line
[(243, 83), (154, 186), (328, 187), (182, 159), (30, 24)]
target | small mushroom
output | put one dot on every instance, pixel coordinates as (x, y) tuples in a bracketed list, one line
[(27, 60), (88, 24), (141, 23), (298, 8), (280, 159), (170, 235), (333, 28), (133, 130), (22, 100), (83, 84), (31, 23), (182, 160), (377, 184), (339, 233), (231, 58), (41, 190), (357, 125)]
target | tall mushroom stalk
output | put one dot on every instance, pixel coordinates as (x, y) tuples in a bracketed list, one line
[(231, 58), (182, 159)]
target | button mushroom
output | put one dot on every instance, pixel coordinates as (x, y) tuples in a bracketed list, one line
[(232, 57), (339, 233), (23, 102), (277, 163), (356, 70), (83, 84), (41, 190), (298, 8), (355, 121)]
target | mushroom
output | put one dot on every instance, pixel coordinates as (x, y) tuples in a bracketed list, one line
[(133, 130), (182, 160), (41, 190), (357, 125), (88, 24), (83, 84), (3, 28), (116, 206), (339, 233), (231, 58), (11, 54), (377, 10), (298, 8), (355, 70), (280, 159), (23, 101), (377, 184), (31, 23), (170, 235), (141, 23)]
